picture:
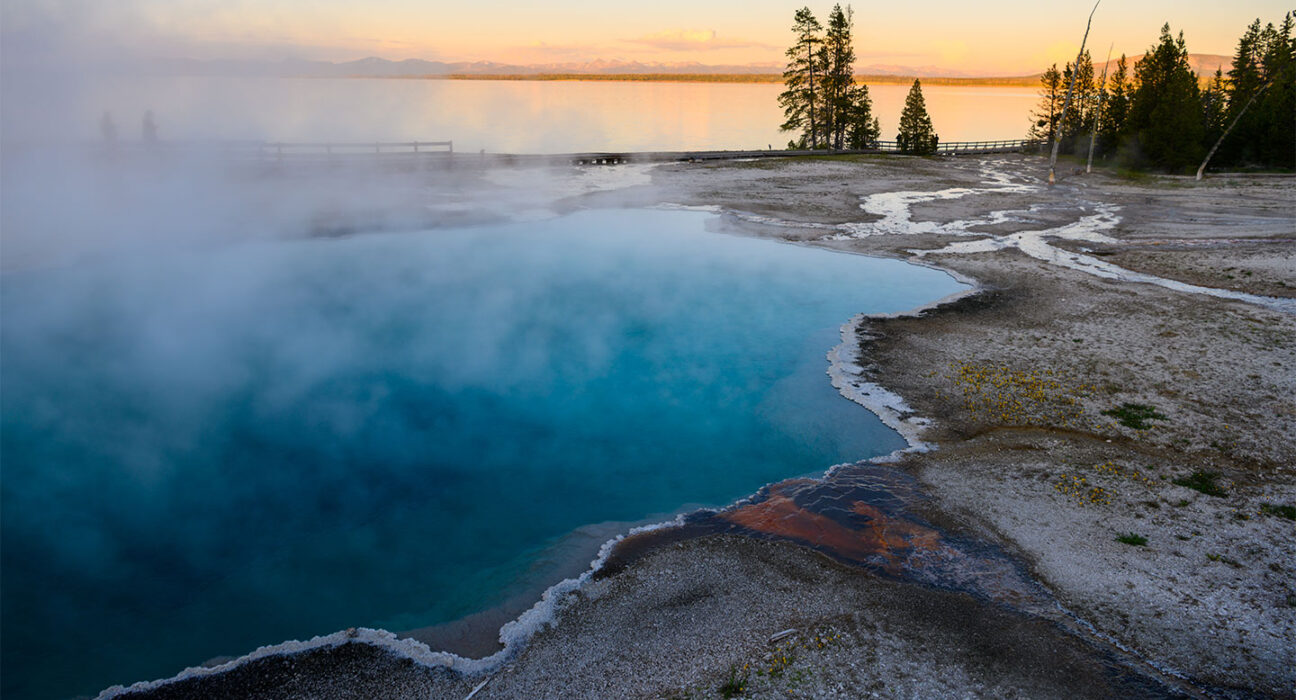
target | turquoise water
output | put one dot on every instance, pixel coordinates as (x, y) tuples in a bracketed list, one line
[(205, 452)]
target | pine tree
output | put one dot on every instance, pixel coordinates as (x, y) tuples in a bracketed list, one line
[(1215, 108), (1244, 75), (1044, 119), (916, 133), (1115, 108), (1261, 110), (1096, 117), (1244, 80), (862, 128), (839, 76), (822, 98), (1165, 117), (1079, 120), (1264, 67), (1275, 131), (802, 101)]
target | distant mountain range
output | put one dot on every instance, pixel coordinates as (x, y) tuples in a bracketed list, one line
[(374, 67)]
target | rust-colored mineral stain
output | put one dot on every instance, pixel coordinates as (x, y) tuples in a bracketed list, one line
[(900, 533), (886, 536)]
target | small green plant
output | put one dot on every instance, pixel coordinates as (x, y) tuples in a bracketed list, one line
[(1134, 415), (1225, 560), (1132, 539), (735, 684), (1282, 511), (779, 662), (1203, 482)]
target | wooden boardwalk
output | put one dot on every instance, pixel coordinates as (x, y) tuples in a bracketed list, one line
[(953, 148)]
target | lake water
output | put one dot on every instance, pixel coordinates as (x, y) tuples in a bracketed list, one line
[(498, 116), (212, 450)]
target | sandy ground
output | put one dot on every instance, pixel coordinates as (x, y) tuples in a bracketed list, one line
[(1211, 594), (1015, 380)]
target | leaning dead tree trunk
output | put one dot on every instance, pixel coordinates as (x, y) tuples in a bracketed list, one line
[(1057, 130), (1229, 130), (1102, 89)]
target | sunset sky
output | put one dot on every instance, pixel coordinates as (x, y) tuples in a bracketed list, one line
[(987, 37)]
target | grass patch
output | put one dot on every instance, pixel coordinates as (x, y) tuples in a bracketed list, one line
[(1132, 539), (1203, 482), (1133, 175), (1134, 415), (735, 685), (1282, 511), (1225, 560)]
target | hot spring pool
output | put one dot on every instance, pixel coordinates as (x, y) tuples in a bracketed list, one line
[(208, 451)]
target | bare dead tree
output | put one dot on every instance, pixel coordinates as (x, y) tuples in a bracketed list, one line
[(1057, 140), (1102, 90), (1238, 118)]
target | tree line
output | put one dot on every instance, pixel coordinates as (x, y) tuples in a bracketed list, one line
[(824, 105), (1157, 114)]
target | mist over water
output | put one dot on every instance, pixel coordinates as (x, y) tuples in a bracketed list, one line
[(209, 450), (218, 432)]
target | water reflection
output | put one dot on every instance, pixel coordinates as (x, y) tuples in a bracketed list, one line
[(511, 116)]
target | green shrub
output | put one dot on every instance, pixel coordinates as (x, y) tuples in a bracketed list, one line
[(1203, 482), (1282, 511), (735, 685), (1134, 415)]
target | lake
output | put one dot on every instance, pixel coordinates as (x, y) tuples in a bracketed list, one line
[(498, 116), (210, 450)]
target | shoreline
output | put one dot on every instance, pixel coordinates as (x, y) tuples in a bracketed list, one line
[(1028, 81), (960, 446)]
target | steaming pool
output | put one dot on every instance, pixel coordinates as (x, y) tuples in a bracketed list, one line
[(209, 451)]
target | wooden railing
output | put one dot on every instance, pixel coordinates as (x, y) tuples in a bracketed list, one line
[(970, 147)]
